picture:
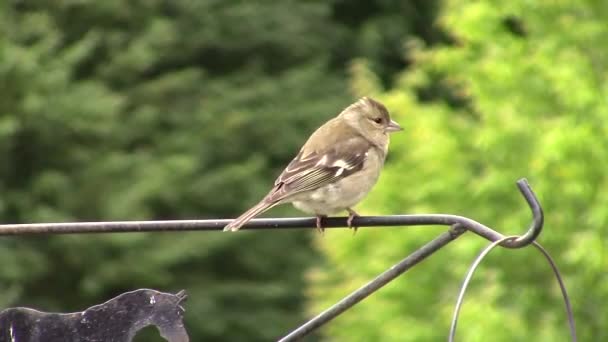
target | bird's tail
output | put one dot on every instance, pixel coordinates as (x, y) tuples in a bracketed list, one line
[(248, 215)]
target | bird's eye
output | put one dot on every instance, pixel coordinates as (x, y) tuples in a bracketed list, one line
[(377, 120)]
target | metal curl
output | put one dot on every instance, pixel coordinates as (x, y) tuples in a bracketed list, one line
[(538, 217)]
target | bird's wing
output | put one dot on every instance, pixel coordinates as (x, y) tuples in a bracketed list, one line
[(312, 170)]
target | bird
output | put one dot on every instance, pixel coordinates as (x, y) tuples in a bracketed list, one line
[(336, 167)]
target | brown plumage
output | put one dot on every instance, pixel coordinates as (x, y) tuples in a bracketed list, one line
[(336, 167)]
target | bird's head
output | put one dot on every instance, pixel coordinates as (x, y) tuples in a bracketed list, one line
[(371, 119)]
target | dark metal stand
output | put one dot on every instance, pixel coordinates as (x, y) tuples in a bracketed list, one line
[(458, 224)]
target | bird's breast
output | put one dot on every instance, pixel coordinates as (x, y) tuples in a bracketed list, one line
[(345, 193)]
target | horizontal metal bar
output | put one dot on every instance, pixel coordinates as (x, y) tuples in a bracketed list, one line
[(375, 284), (271, 223), (300, 222)]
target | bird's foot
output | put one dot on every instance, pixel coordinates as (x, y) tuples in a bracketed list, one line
[(351, 215), (320, 227)]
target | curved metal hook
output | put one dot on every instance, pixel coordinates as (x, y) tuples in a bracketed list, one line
[(538, 217)]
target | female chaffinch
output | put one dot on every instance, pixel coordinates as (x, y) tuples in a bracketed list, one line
[(336, 168)]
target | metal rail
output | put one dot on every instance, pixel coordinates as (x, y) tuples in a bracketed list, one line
[(286, 223), (458, 224)]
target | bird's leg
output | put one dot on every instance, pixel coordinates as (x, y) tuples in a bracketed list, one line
[(351, 215), (320, 227)]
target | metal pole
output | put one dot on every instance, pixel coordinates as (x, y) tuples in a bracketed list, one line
[(301, 222), (371, 287)]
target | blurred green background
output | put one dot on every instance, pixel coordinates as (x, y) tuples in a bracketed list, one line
[(115, 110)]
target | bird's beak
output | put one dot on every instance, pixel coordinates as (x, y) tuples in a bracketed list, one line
[(393, 126)]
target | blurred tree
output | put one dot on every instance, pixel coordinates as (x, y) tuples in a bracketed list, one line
[(521, 92), (166, 110)]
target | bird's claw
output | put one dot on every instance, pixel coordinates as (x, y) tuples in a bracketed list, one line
[(320, 227), (351, 215)]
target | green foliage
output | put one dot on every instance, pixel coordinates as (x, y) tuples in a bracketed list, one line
[(118, 110), (520, 91), (188, 109)]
